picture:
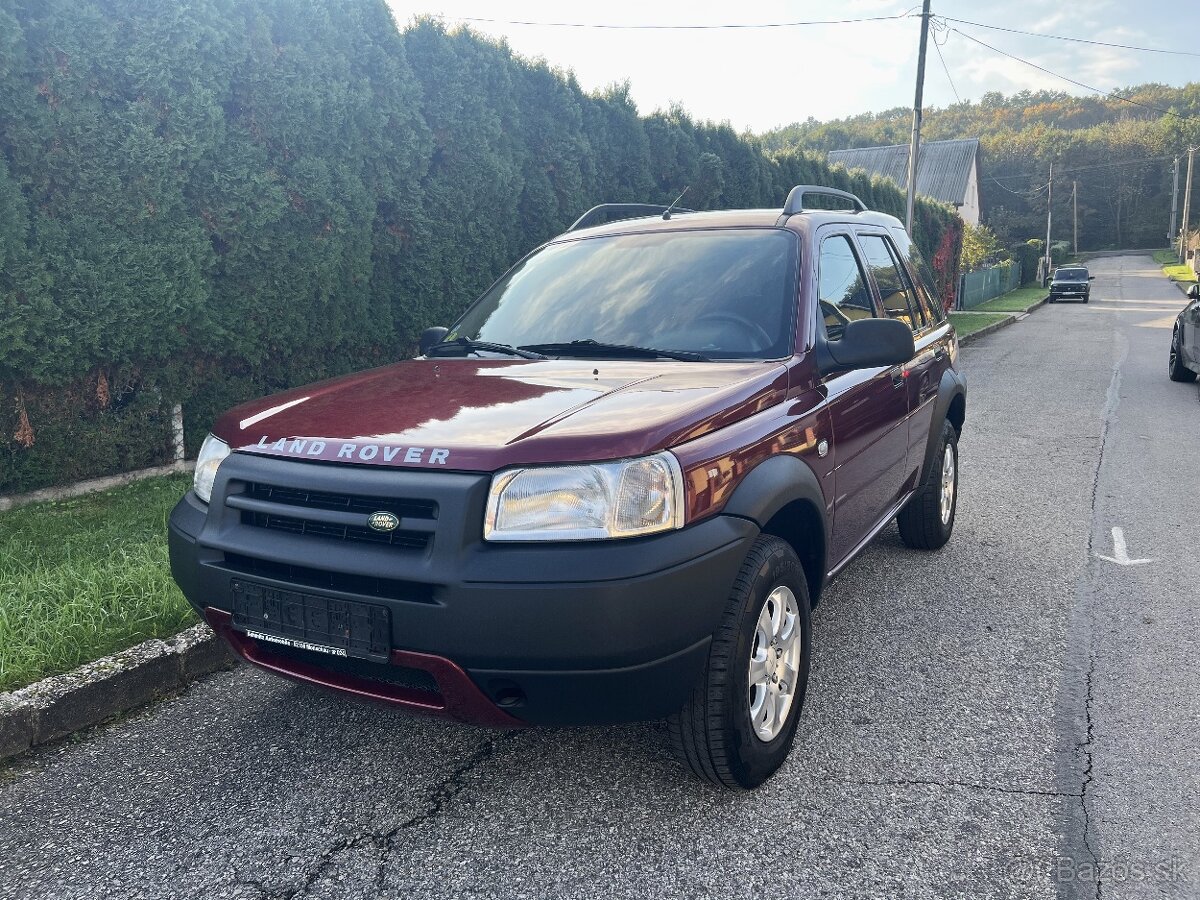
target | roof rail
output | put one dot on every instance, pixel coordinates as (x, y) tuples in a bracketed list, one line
[(795, 199), (611, 212)]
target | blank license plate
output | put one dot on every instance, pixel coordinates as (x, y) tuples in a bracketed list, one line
[(308, 622)]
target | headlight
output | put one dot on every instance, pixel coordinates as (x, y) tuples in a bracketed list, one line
[(626, 498), (212, 452)]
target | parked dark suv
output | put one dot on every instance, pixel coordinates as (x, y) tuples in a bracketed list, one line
[(1071, 283), (611, 491)]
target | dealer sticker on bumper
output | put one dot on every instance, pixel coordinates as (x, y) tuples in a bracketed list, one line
[(299, 645)]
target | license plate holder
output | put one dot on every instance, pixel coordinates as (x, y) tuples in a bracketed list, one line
[(310, 622)]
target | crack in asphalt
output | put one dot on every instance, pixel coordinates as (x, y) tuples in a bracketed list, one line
[(385, 842), (1084, 747)]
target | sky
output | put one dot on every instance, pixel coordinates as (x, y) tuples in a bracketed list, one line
[(760, 78)]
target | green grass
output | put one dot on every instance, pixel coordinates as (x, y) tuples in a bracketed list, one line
[(969, 322), (85, 577), (1014, 301), (1169, 261)]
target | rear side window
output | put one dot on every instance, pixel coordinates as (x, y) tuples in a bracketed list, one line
[(841, 286), (921, 274), (895, 291)]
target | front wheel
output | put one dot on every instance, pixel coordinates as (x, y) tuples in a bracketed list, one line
[(1176, 370), (738, 726), (927, 520)]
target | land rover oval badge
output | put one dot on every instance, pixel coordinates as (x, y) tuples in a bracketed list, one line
[(383, 521)]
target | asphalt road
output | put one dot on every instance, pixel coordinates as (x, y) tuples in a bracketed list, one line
[(1012, 716)]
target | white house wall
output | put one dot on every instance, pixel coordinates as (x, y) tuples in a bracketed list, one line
[(970, 203)]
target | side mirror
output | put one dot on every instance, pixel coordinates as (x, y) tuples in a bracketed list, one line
[(431, 336), (1194, 292), (866, 343), (1091, 278)]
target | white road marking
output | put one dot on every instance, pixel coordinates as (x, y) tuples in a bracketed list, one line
[(1120, 552)]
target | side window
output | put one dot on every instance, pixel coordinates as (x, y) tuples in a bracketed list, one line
[(841, 286), (921, 276), (894, 290)]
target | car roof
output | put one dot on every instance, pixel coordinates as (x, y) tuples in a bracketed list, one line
[(801, 222)]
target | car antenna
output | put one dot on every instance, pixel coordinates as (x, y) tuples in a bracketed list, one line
[(667, 211)]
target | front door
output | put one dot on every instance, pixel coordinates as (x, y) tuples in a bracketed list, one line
[(902, 301), (868, 407), (1189, 340)]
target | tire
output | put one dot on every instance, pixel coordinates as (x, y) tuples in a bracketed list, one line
[(924, 524), (1176, 370), (714, 734)]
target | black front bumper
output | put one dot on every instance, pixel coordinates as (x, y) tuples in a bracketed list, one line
[(570, 633), (1069, 293)]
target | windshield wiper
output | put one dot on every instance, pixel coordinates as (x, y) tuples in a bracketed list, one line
[(464, 346), (589, 347)]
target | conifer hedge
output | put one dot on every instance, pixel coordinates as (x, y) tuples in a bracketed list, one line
[(210, 200)]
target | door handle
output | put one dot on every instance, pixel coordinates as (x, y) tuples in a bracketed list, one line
[(897, 377)]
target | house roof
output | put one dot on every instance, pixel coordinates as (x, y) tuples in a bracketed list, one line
[(943, 167)]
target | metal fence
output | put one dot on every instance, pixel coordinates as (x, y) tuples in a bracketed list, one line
[(979, 287)]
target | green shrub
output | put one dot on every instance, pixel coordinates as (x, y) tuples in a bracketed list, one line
[(230, 197)]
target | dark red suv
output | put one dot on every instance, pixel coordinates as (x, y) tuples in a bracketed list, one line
[(612, 491)]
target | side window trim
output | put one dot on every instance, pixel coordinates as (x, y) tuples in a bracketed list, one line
[(881, 233), (845, 231), (913, 261), (914, 299)]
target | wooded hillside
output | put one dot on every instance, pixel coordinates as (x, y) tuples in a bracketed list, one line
[(1118, 152)]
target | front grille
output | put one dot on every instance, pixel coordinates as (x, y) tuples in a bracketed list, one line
[(409, 540), (324, 515), (401, 507), (364, 585)]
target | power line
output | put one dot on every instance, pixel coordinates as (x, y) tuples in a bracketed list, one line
[(1062, 37), (938, 47), (1125, 162), (1113, 94), (665, 27), (1028, 195)]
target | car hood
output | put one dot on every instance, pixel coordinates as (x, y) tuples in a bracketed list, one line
[(483, 415)]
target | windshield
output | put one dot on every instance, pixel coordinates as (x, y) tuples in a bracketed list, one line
[(722, 293), (1071, 275)]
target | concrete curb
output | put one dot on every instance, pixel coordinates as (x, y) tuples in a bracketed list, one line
[(91, 486), (1003, 323), (57, 706)]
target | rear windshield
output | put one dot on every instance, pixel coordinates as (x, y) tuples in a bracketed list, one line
[(728, 294), (1071, 275)]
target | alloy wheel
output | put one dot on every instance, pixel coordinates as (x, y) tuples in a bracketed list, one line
[(946, 496), (775, 663)]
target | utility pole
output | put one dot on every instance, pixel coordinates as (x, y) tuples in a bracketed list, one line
[(1075, 212), (1174, 205), (1049, 209), (914, 148), (1187, 207)]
